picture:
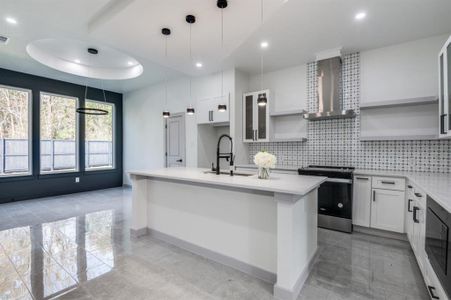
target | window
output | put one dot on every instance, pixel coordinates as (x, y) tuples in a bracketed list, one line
[(15, 132), (99, 137), (59, 132)]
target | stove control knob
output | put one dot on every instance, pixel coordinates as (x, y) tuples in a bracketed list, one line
[(340, 205)]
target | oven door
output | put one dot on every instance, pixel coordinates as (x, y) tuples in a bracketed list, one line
[(335, 198)]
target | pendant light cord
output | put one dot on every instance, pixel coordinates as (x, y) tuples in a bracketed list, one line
[(261, 53), (222, 52), (191, 61), (166, 77)]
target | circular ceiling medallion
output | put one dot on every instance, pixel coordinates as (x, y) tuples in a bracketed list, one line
[(76, 57)]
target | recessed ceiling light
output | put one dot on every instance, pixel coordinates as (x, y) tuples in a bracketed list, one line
[(77, 61), (264, 44), (199, 65), (360, 16), (11, 20)]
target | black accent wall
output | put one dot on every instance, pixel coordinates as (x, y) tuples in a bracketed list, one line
[(36, 185)]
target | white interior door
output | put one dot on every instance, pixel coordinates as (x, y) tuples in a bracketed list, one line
[(175, 141)]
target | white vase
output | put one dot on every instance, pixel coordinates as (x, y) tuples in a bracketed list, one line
[(263, 173)]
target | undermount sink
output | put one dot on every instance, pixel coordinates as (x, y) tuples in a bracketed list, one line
[(228, 173)]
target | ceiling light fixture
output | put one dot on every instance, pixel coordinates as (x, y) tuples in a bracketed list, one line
[(222, 4), (264, 45), (190, 19), (360, 16), (166, 32), (199, 65), (262, 100), (92, 111), (11, 20)]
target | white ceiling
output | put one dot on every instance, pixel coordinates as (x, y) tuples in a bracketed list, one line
[(295, 29)]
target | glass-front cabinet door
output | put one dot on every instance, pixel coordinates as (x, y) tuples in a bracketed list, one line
[(255, 118), (444, 92)]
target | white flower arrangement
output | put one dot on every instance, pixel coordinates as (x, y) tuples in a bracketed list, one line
[(265, 160)]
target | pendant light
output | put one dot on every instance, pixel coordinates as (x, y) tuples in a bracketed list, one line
[(91, 110), (190, 19), (166, 32), (261, 100), (222, 4)]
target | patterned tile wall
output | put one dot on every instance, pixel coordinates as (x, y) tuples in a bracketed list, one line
[(336, 142)]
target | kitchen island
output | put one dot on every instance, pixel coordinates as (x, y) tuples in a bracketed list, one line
[(266, 228)]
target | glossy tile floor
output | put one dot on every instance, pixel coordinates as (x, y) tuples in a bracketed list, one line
[(79, 247)]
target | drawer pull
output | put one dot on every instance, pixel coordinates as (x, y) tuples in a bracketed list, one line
[(388, 182), (409, 186), (431, 292), (374, 196), (415, 217), (409, 208), (418, 195), (362, 178)]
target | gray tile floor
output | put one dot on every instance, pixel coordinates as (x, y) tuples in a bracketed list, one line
[(79, 247)]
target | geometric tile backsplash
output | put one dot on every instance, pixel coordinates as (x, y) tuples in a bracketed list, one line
[(337, 143)]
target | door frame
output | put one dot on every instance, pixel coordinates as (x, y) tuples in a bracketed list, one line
[(180, 114)]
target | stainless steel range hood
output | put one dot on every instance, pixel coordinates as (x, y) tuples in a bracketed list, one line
[(330, 100)]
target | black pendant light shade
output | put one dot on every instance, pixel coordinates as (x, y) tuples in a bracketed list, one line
[(222, 107), (166, 114), (262, 100), (190, 111)]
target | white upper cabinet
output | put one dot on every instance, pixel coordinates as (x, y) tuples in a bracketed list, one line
[(444, 87), (207, 111), (255, 118)]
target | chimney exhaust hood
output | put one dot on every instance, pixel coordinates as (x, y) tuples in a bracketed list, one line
[(330, 99)]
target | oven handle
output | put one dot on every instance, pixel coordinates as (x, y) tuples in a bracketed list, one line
[(339, 180)]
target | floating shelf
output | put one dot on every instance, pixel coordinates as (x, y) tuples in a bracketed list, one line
[(287, 113), (399, 102), (294, 139), (398, 138)]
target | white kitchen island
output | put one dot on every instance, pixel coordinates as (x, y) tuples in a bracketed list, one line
[(267, 228)]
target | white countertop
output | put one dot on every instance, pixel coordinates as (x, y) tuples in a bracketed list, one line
[(277, 183), (436, 185)]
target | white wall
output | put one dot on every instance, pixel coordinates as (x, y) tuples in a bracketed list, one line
[(402, 71), (144, 141), (288, 87)]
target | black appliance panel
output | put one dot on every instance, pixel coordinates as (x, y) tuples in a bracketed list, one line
[(335, 199), (437, 244)]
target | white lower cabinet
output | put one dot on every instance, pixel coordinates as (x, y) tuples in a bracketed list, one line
[(361, 201), (409, 212), (387, 210)]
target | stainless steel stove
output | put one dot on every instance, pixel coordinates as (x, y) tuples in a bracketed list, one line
[(334, 196)]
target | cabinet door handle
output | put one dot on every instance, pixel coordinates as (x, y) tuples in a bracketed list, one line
[(409, 208), (209, 115), (431, 292), (387, 182), (409, 186), (374, 196), (418, 195), (212, 116), (415, 217), (362, 178), (443, 124)]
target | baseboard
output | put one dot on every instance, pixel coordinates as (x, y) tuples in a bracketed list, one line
[(136, 233), (380, 233), (285, 294), (215, 256)]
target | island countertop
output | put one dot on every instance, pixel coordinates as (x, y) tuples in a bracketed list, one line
[(277, 183)]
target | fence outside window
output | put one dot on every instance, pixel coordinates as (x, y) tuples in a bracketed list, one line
[(56, 155)]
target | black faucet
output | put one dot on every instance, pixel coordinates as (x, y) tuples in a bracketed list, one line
[(227, 156)]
